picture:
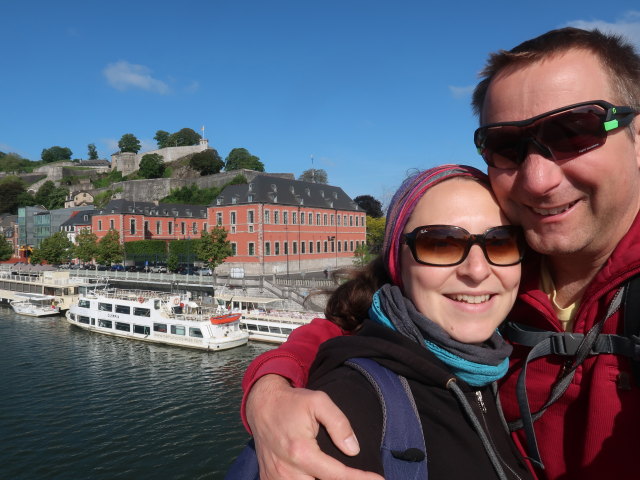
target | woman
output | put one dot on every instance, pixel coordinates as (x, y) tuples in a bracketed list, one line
[(428, 310)]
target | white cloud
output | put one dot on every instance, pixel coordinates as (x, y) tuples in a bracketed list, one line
[(193, 87), (461, 92), (628, 26), (124, 76)]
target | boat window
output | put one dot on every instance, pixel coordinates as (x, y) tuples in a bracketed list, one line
[(93, 321), (123, 309), (252, 327), (274, 329), (195, 332), (105, 307), (141, 329), (105, 323), (82, 319), (287, 331), (125, 327), (160, 327), (141, 312), (156, 304), (263, 328), (72, 316), (84, 303), (177, 329)]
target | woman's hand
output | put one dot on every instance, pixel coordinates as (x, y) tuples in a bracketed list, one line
[(285, 422)]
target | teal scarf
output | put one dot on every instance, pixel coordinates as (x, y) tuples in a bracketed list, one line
[(478, 365)]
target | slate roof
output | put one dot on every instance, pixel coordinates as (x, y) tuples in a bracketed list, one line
[(123, 206), (282, 191), (77, 218)]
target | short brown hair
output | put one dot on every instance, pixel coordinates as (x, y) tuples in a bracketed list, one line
[(616, 55)]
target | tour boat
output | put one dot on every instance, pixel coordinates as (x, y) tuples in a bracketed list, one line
[(262, 321), (35, 305), (156, 317)]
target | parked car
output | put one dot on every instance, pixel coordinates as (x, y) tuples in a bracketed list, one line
[(158, 269), (117, 268), (102, 268), (205, 271)]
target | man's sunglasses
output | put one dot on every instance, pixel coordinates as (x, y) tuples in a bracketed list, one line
[(448, 245), (560, 134)]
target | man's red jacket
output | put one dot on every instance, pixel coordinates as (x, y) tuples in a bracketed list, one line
[(593, 431)]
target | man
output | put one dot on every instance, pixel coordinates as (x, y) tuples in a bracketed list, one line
[(561, 137)]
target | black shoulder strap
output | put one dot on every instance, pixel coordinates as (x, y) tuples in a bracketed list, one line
[(632, 318)]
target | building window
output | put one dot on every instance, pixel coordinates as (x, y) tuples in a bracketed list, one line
[(351, 246), (218, 218), (294, 218), (310, 218), (146, 226), (337, 219), (325, 219), (232, 218), (357, 218), (332, 218), (285, 218), (295, 248), (170, 227), (318, 246), (302, 246), (310, 247), (276, 217), (252, 248), (301, 218), (267, 217), (351, 220), (234, 249), (158, 227), (286, 248), (267, 248), (99, 225), (112, 224), (318, 219), (277, 248), (132, 226), (204, 227), (194, 227), (339, 246), (250, 216), (250, 198), (183, 228)]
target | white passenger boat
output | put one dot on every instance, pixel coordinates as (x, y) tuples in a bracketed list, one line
[(35, 305), (261, 318), (156, 317)]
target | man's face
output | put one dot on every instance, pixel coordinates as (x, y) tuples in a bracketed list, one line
[(582, 206)]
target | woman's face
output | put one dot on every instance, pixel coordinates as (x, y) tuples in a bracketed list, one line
[(471, 299)]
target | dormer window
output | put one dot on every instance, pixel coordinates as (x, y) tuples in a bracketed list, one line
[(307, 191), (335, 195), (219, 201), (250, 198), (251, 187), (274, 188), (322, 193), (292, 189)]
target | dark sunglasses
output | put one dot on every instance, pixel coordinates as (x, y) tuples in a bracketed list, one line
[(448, 245), (561, 134)]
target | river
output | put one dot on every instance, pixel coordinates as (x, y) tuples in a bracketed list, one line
[(80, 405)]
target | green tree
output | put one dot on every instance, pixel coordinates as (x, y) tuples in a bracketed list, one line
[(162, 138), (362, 255), (314, 175), (129, 143), (207, 162), (93, 151), (12, 162), (50, 196), (183, 138), (375, 233), (87, 245), (151, 166), (12, 189), (241, 158), (55, 154), (56, 249), (213, 247), (172, 261), (109, 249), (370, 205), (6, 249)]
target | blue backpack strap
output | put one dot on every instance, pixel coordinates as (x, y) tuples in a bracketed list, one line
[(245, 466), (404, 455)]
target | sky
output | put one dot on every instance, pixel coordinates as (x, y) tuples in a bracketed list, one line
[(367, 90)]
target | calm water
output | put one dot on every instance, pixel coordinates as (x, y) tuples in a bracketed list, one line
[(78, 405)]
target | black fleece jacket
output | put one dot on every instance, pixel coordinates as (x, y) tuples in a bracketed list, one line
[(454, 448)]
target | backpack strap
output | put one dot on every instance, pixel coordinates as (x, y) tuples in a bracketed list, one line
[(562, 343), (404, 455), (632, 321)]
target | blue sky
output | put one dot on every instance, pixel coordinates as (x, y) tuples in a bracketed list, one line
[(367, 90)]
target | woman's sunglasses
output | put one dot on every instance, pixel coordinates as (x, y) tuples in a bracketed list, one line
[(448, 245), (560, 134)]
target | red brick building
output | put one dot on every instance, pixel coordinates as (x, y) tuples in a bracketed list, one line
[(275, 225)]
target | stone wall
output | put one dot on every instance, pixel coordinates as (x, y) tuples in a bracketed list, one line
[(127, 162)]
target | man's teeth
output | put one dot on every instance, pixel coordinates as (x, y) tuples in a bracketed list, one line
[(471, 298), (552, 211)]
